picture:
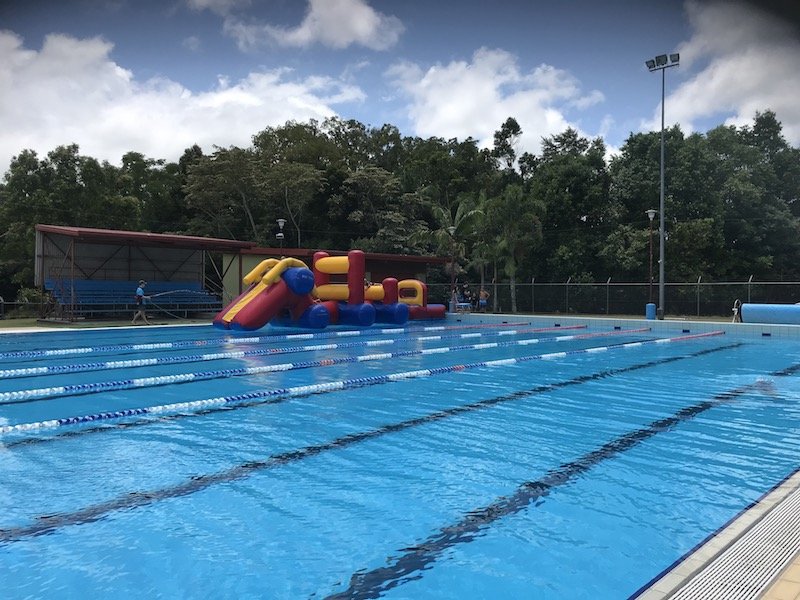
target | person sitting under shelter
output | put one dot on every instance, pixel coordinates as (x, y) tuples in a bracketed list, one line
[(140, 304)]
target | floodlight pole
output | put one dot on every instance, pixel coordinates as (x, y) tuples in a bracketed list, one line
[(660, 311), (452, 231), (660, 64), (651, 213)]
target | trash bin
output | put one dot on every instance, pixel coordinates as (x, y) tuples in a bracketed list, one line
[(650, 311)]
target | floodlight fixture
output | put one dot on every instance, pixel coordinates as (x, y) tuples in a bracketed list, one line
[(279, 236), (661, 60), (651, 64), (674, 58)]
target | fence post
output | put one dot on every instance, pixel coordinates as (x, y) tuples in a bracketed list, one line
[(698, 295), (533, 304), (608, 287), (2, 308), (566, 310), (749, 285)]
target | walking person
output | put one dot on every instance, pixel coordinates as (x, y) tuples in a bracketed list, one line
[(140, 306)]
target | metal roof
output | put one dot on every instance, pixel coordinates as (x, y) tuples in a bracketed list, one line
[(309, 252), (140, 238)]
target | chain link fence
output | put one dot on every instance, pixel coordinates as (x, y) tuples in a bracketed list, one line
[(700, 299)]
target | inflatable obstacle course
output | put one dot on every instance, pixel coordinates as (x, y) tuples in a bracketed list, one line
[(286, 292)]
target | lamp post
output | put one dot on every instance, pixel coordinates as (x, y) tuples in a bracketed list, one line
[(661, 63), (651, 213), (279, 235), (452, 231)]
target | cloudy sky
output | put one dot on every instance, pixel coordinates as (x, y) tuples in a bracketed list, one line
[(157, 76)]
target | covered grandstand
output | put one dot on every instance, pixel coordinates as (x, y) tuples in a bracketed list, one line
[(94, 272)]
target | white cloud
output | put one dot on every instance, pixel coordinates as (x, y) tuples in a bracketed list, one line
[(71, 91), (220, 7), (332, 23), (191, 43), (472, 99), (748, 63)]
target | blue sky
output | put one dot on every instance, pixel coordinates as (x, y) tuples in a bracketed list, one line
[(157, 76)]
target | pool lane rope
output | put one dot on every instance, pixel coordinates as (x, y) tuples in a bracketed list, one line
[(142, 382), (172, 360), (198, 405), (258, 339)]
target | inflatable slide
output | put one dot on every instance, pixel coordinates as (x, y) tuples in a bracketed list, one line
[(276, 287)]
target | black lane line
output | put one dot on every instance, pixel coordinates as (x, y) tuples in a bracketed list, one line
[(417, 558), (46, 524)]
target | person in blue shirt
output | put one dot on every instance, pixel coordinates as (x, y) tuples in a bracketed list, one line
[(140, 307)]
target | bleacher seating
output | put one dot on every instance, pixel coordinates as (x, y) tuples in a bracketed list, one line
[(83, 297)]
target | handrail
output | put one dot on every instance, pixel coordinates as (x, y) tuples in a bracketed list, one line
[(276, 271)]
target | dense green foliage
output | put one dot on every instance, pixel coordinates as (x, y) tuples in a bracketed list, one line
[(731, 207)]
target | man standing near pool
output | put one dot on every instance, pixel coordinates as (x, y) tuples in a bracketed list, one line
[(140, 309)]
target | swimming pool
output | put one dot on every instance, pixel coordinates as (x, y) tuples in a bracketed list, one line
[(470, 460)]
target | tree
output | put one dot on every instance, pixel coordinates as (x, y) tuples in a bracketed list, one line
[(571, 184), (222, 189), (505, 142), (295, 142), (454, 226), (370, 211), (517, 217), (289, 189)]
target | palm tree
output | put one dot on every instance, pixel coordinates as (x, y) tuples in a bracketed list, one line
[(455, 226), (517, 216)]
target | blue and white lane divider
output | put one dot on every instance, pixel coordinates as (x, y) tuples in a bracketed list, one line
[(172, 360), (141, 382), (301, 390), (256, 340)]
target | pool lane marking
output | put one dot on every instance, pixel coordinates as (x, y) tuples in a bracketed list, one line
[(420, 556), (194, 405), (259, 339), (46, 524), (172, 360), (81, 389)]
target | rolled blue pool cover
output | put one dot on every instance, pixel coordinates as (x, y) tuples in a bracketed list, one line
[(786, 314)]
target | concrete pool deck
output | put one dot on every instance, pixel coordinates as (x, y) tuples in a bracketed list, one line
[(756, 556)]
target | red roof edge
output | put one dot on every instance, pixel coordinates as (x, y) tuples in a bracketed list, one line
[(142, 238)]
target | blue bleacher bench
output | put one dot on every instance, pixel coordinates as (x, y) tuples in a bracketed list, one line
[(94, 297)]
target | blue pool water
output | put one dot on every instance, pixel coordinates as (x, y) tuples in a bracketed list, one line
[(581, 465)]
